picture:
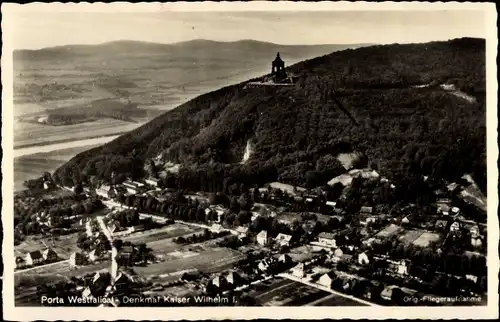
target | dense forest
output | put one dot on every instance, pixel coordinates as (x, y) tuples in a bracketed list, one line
[(369, 100)]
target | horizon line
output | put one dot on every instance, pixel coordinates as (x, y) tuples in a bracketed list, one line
[(235, 41)]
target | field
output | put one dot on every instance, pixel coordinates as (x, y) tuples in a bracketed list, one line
[(151, 237), (283, 292), (211, 260), (389, 231), (411, 235), (426, 238), (285, 187)]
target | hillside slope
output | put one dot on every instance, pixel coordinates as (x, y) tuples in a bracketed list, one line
[(384, 101)]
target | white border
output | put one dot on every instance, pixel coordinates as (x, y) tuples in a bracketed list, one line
[(51, 314)]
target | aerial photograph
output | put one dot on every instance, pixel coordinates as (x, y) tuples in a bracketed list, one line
[(167, 159)]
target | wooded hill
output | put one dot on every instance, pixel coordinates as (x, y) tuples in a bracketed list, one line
[(364, 100)]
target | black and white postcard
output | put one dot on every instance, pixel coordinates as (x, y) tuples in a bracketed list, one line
[(249, 160)]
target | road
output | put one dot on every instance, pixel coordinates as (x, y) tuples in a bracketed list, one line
[(40, 266)]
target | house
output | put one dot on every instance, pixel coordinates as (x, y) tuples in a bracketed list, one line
[(308, 227), (327, 279), (49, 255), (387, 292), (262, 238), (401, 267), (346, 284), (218, 209), (94, 255), (455, 211), (122, 282), (476, 241), (87, 293), (133, 187), (217, 281), (370, 241), (366, 210), (363, 259), (472, 278), (405, 220), (285, 259), (452, 186), (234, 278), (441, 224), (443, 206), (331, 203), (101, 277), (216, 228), (34, 258), (76, 259), (299, 270), (242, 231), (20, 262), (265, 264), (47, 184), (455, 226), (103, 191), (327, 240), (365, 219), (337, 254), (474, 231), (88, 229), (283, 239), (153, 182)]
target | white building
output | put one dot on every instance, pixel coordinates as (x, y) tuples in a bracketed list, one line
[(49, 255), (133, 187), (103, 191), (152, 182), (216, 228), (331, 203), (402, 268), (242, 231), (76, 259), (363, 259), (455, 226), (455, 211), (262, 238), (33, 258), (283, 239), (299, 270), (327, 279), (327, 240)]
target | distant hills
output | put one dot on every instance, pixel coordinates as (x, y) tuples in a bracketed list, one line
[(373, 100), (195, 48), (147, 73)]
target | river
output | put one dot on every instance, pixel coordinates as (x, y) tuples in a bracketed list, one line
[(61, 146)]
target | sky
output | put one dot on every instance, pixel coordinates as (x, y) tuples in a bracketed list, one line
[(32, 29)]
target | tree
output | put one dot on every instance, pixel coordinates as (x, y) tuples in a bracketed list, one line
[(117, 243), (78, 188)]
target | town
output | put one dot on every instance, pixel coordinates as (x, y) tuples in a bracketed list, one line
[(350, 243)]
